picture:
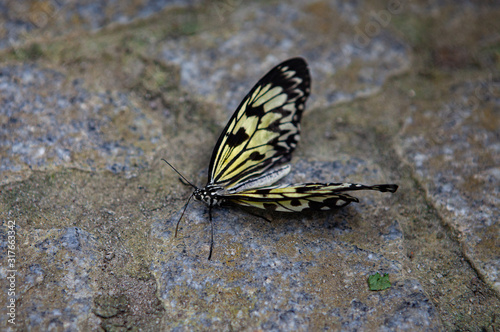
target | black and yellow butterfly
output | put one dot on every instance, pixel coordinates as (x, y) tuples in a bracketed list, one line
[(258, 140)]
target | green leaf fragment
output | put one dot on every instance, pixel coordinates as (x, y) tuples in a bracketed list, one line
[(377, 282)]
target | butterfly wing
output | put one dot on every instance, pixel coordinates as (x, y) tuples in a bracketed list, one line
[(264, 129), (303, 197)]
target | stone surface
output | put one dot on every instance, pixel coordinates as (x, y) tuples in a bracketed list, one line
[(455, 150), (88, 108), (25, 20)]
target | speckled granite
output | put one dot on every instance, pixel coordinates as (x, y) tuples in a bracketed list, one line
[(92, 96)]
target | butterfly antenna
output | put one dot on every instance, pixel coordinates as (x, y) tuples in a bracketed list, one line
[(183, 210), (185, 181), (211, 233)]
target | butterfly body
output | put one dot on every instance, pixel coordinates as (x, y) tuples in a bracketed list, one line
[(251, 153)]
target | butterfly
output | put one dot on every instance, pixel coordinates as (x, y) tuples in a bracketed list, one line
[(254, 147)]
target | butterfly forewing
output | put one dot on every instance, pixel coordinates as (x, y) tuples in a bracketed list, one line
[(265, 128)]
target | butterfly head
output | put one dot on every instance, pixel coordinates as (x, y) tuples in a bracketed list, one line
[(208, 195), (201, 195)]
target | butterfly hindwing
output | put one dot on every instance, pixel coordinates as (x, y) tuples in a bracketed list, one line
[(265, 128), (303, 197)]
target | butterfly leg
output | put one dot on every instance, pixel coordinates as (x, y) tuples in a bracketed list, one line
[(211, 232), (257, 215), (183, 210), (184, 182)]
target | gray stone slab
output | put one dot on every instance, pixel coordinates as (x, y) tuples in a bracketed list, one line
[(454, 148), (23, 21), (86, 118)]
